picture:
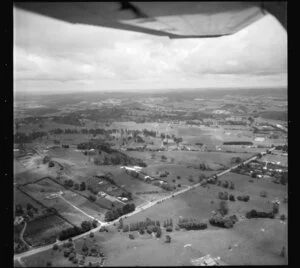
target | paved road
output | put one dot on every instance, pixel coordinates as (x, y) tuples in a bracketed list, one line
[(137, 210)]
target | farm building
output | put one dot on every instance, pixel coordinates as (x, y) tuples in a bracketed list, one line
[(18, 220), (207, 260), (153, 148)]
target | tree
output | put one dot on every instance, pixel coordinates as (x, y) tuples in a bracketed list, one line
[(19, 210), (236, 160), (169, 229), (282, 253), (94, 223), (72, 256), (178, 140), (84, 248), (131, 236), (55, 247), (46, 159), (263, 194), (158, 232), (178, 177), (67, 253), (275, 208), (86, 226), (92, 198), (30, 213), (231, 197), (109, 216), (202, 166), (76, 186), (223, 208), (49, 263), (168, 239), (121, 223), (244, 198), (282, 217), (232, 186), (51, 164), (29, 206), (202, 177), (254, 175), (91, 235), (163, 158)]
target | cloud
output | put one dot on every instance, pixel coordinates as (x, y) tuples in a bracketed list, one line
[(49, 50)]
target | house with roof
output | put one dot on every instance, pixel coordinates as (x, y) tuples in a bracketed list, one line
[(18, 220)]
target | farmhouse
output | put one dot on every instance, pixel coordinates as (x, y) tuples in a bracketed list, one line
[(110, 198), (18, 220), (148, 178), (101, 194)]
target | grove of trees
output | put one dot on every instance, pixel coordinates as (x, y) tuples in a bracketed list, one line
[(118, 212)]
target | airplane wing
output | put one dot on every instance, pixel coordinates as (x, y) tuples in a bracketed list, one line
[(172, 19)]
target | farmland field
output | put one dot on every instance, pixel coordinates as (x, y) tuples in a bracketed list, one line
[(248, 246), (192, 158), (41, 230), (21, 198), (65, 209)]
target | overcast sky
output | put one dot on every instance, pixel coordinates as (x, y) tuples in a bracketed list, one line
[(55, 56)]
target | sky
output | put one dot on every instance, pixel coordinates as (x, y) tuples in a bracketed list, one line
[(56, 56)]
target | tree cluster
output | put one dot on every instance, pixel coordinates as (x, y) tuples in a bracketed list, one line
[(236, 160), (259, 214), (21, 137), (168, 223), (68, 183), (223, 195), (244, 198), (191, 224), (224, 222), (118, 212), (226, 184), (74, 231), (147, 192), (167, 187), (70, 232), (148, 225), (149, 133), (237, 143)]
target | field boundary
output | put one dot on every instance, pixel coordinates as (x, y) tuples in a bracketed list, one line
[(44, 206), (53, 180), (77, 193)]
